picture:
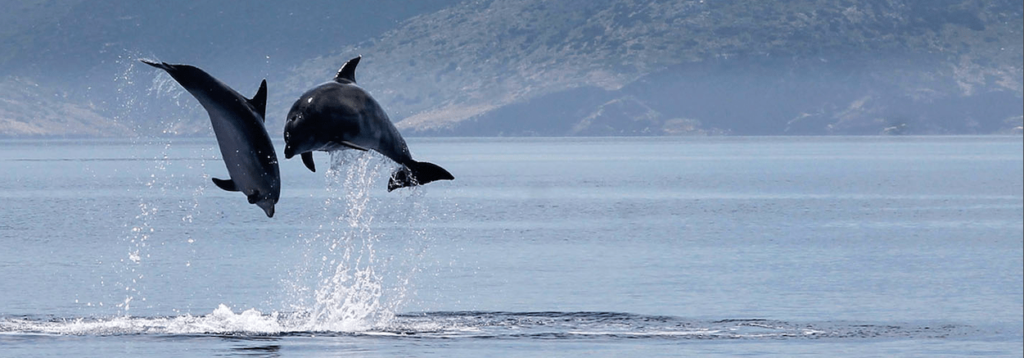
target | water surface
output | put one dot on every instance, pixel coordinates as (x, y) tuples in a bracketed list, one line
[(906, 246)]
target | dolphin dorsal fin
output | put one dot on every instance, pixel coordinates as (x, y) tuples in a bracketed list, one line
[(347, 72), (259, 101)]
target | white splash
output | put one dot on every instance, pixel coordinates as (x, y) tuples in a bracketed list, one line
[(221, 321), (358, 286)]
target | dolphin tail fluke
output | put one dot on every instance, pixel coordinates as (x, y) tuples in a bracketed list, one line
[(417, 173), (161, 65)]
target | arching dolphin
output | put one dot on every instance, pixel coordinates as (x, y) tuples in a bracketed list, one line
[(340, 115), (238, 125)]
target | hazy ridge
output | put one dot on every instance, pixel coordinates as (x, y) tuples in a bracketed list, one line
[(611, 67)]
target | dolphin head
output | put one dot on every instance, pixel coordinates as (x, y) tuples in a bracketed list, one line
[(297, 136), (266, 199), (268, 207)]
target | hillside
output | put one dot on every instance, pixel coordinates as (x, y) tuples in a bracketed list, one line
[(83, 55), (531, 67), (613, 67)]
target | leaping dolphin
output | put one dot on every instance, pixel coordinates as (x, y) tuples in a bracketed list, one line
[(340, 115), (238, 123)]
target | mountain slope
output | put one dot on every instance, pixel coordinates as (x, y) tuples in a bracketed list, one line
[(86, 52), (530, 67), (513, 67)]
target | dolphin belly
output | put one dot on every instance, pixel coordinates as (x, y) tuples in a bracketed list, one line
[(252, 167)]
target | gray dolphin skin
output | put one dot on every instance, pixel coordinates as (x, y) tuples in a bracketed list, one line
[(340, 115), (238, 123)]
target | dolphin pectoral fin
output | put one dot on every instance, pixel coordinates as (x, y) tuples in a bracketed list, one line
[(259, 101), (307, 159), (352, 145), (228, 185), (347, 72)]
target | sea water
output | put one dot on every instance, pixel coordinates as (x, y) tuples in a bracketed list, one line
[(819, 246)]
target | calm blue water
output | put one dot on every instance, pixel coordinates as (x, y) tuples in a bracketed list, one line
[(831, 246)]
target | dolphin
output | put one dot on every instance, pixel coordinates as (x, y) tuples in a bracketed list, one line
[(340, 115), (238, 123)]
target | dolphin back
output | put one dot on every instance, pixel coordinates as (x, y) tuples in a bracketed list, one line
[(417, 173)]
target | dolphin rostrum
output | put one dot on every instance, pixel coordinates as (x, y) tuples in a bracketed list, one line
[(340, 115), (238, 123)]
